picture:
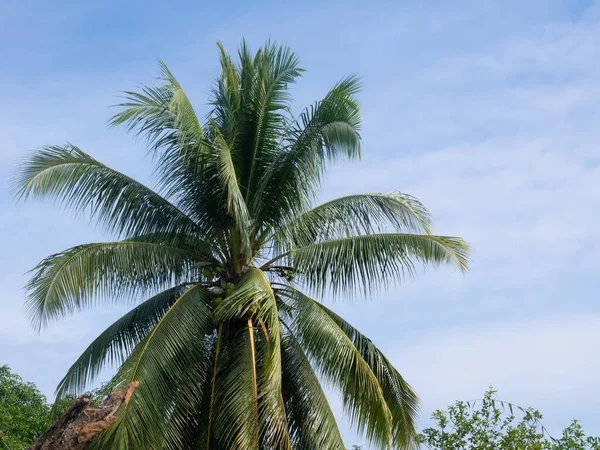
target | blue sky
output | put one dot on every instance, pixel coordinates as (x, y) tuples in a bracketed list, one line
[(486, 111)]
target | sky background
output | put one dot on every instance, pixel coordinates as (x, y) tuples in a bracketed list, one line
[(485, 111)]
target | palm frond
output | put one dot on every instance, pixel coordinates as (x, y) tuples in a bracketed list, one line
[(342, 364), (236, 205), (184, 116), (147, 113), (273, 423), (188, 422), (165, 117), (401, 399), (324, 132), (70, 280), (204, 439), (354, 215), (160, 113), (185, 150), (235, 419), (173, 354), (371, 261), (254, 299), (202, 250), (229, 94), (115, 343), (251, 105), (311, 420), (268, 104), (81, 183)]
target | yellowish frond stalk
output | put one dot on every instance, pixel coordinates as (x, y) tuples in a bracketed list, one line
[(214, 379)]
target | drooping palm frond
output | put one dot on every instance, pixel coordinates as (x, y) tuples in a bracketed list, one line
[(187, 425), (170, 367), (254, 298), (273, 423), (311, 421), (234, 423), (115, 343), (354, 215), (372, 261), (119, 203), (399, 396), (70, 280), (255, 301), (343, 365)]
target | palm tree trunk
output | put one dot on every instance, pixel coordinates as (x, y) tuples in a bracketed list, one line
[(81, 422)]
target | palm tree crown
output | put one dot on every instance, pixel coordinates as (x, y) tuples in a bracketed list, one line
[(228, 352)]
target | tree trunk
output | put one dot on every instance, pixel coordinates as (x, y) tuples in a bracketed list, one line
[(81, 422)]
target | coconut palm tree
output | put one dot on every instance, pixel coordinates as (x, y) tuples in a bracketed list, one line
[(229, 351)]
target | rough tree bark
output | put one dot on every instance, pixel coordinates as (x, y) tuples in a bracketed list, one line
[(81, 422)]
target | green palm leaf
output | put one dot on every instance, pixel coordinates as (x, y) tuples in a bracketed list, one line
[(371, 261), (235, 419), (121, 204), (273, 423), (275, 67), (164, 116), (184, 116), (342, 364), (174, 353), (204, 252), (399, 396), (116, 342), (187, 425), (326, 131), (254, 300), (354, 215), (311, 421), (236, 205), (70, 280)]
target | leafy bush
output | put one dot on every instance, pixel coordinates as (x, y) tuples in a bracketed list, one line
[(491, 424)]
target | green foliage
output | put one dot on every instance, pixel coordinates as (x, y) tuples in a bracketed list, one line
[(227, 349), (23, 411), (351, 363), (492, 424)]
